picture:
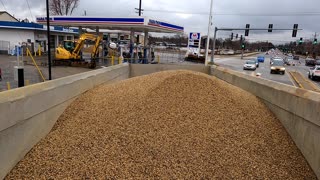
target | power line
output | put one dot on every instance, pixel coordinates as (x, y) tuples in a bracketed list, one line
[(30, 10), (239, 14)]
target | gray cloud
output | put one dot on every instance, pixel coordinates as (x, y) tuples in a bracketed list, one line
[(197, 21)]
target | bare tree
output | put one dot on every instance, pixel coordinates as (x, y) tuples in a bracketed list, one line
[(63, 7)]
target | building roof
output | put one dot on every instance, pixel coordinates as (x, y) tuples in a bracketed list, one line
[(35, 26), (5, 12), (137, 24)]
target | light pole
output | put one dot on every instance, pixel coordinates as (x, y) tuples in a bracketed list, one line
[(208, 38), (48, 36)]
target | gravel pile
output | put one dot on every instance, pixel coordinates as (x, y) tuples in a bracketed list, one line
[(168, 125)]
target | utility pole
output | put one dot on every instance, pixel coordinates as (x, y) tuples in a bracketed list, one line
[(140, 8), (140, 3), (48, 36), (208, 38)]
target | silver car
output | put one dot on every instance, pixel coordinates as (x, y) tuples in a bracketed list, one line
[(250, 65)]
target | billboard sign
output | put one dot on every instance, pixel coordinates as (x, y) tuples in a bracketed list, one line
[(194, 42)]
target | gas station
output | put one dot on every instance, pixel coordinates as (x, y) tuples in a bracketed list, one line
[(145, 25)]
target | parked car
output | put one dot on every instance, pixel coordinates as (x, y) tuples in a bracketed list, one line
[(250, 65), (277, 66), (314, 72), (261, 59), (318, 62)]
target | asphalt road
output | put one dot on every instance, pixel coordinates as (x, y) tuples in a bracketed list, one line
[(235, 63)]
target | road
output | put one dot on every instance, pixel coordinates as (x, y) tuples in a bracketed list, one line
[(235, 63)]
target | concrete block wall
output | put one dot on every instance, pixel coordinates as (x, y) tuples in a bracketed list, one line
[(28, 114), (297, 109)]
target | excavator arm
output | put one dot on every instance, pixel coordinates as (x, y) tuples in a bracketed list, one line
[(95, 51), (81, 41)]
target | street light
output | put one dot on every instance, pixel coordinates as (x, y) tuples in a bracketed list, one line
[(48, 36)]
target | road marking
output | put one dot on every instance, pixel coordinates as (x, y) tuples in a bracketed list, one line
[(311, 83), (294, 84), (307, 84)]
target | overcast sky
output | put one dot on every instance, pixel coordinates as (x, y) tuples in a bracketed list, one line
[(227, 13)]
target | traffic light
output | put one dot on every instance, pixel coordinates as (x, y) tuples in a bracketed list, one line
[(295, 30), (243, 46), (270, 27), (247, 30), (301, 41), (231, 36), (315, 41)]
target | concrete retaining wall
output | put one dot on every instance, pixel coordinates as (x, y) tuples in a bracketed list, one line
[(28, 114), (297, 109), (144, 69)]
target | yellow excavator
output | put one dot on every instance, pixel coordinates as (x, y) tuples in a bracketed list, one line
[(70, 52)]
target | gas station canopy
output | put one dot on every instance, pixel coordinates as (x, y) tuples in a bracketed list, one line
[(136, 24)]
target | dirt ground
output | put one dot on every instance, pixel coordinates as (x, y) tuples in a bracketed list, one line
[(7, 64)]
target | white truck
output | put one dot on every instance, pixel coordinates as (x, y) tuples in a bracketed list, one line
[(314, 72)]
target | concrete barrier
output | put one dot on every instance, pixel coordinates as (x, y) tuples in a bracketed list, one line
[(297, 109), (29, 113), (143, 69)]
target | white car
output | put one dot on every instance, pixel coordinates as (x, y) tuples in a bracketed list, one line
[(250, 65), (314, 72)]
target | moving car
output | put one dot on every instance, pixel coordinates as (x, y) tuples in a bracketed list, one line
[(310, 62), (314, 72), (257, 62), (289, 61), (276, 59), (296, 57), (277, 66), (250, 65), (261, 59)]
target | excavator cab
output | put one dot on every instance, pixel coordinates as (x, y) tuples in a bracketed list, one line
[(69, 45)]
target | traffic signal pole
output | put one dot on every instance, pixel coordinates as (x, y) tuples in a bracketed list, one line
[(214, 45), (240, 29)]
